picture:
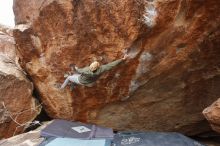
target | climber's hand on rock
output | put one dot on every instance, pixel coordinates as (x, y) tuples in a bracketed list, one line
[(76, 68), (72, 66), (125, 57)]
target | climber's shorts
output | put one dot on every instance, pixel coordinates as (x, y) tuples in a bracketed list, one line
[(74, 78)]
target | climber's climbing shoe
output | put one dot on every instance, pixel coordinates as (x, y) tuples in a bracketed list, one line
[(57, 85), (72, 86), (65, 75)]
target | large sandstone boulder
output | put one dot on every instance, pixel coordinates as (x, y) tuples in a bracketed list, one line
[(171, 76), (17, 105), (212, 114)]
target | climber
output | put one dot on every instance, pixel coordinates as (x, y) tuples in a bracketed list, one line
[(88, 75)]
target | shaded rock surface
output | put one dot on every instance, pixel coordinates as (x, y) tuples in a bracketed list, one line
[(17, 105), (171, 76), (212, 114), (31, 138)]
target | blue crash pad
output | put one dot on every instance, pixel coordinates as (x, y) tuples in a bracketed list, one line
[(153, 139), (78, 142)]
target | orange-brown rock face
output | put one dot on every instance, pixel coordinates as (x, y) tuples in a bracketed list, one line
[(17, 105), (212, 114), (171, 76)]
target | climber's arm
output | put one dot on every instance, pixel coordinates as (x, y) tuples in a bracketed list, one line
[(81, 70), (110, 65)]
